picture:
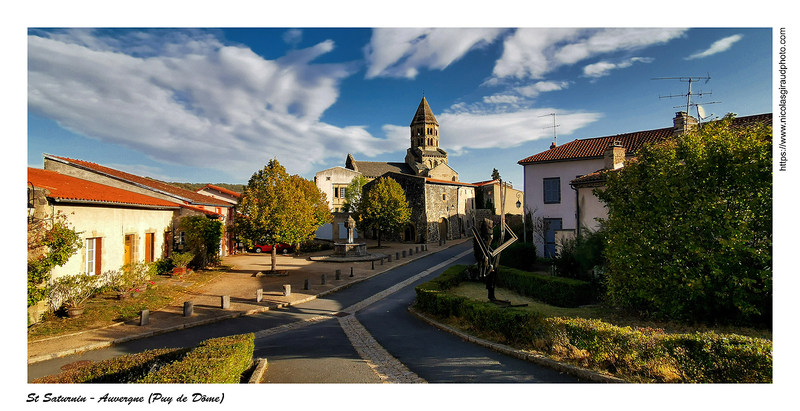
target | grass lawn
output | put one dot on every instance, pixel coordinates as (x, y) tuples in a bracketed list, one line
[(477, 291), (106, 309)]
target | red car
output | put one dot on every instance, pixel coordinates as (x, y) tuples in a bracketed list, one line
[(280, 248)]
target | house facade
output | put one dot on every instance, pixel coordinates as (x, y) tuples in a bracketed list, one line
[(232, 198), (192, 203), (490, 190), (118, 227), (559, 182)]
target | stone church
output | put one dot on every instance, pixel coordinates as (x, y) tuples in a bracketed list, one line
[(442, 207)]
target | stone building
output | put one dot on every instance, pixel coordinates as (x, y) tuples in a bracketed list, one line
[(442, 207)]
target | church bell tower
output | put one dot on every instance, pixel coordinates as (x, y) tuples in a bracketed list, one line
[(425, 154)]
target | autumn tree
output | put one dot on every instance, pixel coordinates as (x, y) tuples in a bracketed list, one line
[(383, 207), (203, 236), (353, 192), (689, 230), (278, 208)]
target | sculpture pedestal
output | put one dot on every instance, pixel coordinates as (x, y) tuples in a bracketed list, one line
[(350, 249)]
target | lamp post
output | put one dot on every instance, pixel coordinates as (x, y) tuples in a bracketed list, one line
[(524, 228)]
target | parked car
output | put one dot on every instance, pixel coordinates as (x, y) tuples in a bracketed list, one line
[(280, 248)]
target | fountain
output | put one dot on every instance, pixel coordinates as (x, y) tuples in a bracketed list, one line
[(350, 249)]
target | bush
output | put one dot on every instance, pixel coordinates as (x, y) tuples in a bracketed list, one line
[(125, 369), (561, 292), (689, 228), (164, 266), (521, 256), (637, 354), (215, 361)]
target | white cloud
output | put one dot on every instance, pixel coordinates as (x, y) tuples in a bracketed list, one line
[(403, 52), (293, 36), (532, 53), (603, 68), (535, 89), (192, 101), (718, 47), (471, 130)]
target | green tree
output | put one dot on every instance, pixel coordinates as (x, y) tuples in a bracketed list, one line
[(689, 232), (51, 243), (278, 208), (203, 237), (383, 207), (352, 195)]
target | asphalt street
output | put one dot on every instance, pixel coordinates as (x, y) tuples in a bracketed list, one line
[(307, 343)]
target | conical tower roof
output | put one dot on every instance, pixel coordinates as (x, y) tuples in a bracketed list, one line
[(424, 114)]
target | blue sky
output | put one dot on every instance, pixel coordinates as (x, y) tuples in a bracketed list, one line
[(214, 105)]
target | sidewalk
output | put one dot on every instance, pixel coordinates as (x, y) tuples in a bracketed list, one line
[(240, 284)]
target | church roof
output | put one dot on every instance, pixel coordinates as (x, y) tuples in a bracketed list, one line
[(424, 114), (375, 169)]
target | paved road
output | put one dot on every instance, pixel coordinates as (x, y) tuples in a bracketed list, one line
[(362, 334)]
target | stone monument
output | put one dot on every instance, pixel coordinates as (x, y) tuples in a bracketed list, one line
[(350, 248)]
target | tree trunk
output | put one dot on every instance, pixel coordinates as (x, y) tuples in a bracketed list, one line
[(379, 237)]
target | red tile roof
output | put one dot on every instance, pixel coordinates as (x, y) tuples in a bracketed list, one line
[(64, 188), (221, 190), (592, 148), (155, 185)]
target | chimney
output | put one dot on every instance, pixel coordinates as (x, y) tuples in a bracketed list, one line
[(614, 155), (683, 122)]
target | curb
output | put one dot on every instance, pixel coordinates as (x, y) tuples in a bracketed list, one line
[(538, 359), (111, 343)]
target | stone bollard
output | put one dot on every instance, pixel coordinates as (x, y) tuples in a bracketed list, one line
[(338, 274), (323, 279), (306, 285), (382, 260), (410, 251), (373, 264), (351, 271), (144, 317), (416, 249), (397, 255), (259, 295), (225, 302), (188, 308), (287, 290), (390, 258), (404, 253)]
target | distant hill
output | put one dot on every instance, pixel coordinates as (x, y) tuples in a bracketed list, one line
[(196, 186)]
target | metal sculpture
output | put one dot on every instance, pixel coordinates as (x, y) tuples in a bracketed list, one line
[(487, 266)]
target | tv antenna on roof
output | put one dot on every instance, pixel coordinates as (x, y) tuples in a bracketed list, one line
[(555, 138), (688, 94)]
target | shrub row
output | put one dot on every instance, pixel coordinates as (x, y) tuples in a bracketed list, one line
[(125, 369), (558, 291), (215, 361), (636, 354), (218, 360)]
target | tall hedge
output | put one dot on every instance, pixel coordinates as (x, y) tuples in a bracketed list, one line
[(689, 232)]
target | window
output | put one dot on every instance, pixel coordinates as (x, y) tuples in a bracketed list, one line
[(552, 190), (342, 191), (93, 254)]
